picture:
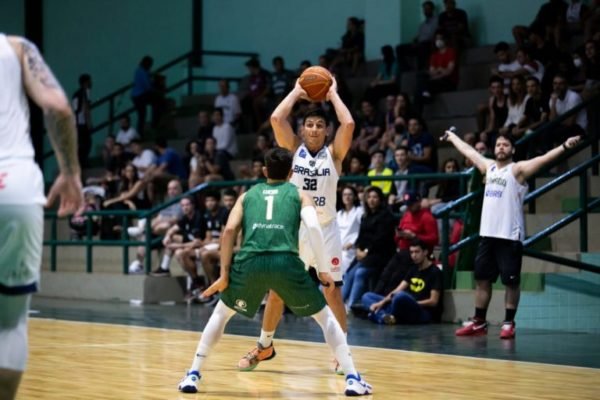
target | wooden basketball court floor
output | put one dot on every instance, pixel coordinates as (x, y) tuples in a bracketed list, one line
[(93, 350)]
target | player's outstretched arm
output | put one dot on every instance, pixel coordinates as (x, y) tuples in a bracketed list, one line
[(41, 85), (344, 134), (284, 134), (477, 159), (315, 237), (228, 239), (525, 169)]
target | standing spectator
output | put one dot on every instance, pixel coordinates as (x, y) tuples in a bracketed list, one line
[(255, 101), (422, 43), (455, 23), (352, 51), (142, 91), (348, 219), (83, 114), (417, 300), (282, 80), (386, 81), (229, 103), (126, 133), (561, 101), (421, 145), (224, 134)]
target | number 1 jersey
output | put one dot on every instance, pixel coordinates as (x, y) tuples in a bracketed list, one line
[(316, 176)]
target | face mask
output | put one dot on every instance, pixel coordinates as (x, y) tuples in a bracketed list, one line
[(439, 43), (577, 62)]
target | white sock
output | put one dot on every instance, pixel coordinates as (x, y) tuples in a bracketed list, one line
[(266, 338), (13, 332), (212, 334), (336, 339), (166, 260)]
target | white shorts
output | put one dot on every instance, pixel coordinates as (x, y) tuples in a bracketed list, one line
[(21, 235), (333, 248)]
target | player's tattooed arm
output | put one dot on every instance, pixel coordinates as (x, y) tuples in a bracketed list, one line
[(46, 92)]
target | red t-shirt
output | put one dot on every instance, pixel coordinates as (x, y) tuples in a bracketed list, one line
[(421, 223), (442, 60)]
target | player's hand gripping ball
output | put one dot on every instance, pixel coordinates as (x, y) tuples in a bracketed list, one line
[(316, 81)]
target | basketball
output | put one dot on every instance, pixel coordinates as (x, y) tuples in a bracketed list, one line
[(316, 81)]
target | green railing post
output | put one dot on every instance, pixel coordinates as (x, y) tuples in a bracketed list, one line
[(190, 74), (88, 247), (583, 204), (53, 234), (124, 224), (148, 245)]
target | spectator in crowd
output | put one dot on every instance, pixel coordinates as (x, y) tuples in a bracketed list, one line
[(143, 91), (224, 134), (303, 65), (482, 149), (529, 66), (194, 163), (421, 145), (422, 43), (442, 75), (547, 20), (352, 51), (132, 193), (517, 100), (403, 166), (389, 114), (115, 164), (403, 109), (262, 145), (348, 220), (255, 101), (282, 80), (562, 100), (143, 159), (417, 299), (126, 133), (374, 246), (369, 128), (216, 162), (447, 190), (386, 81), (378, 168), (357, 166), (496, 111), (229, 103), (592, 23), (82, 103), (506, 64), (536, 113), (168, 165), (78, 222), (591, 69), (107, 149), (416, 223), (573, 22), (455, 23), (159, 225), (205, 126)]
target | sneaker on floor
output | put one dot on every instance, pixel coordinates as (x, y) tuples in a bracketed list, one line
[(508, 330), (189, 383), (356, 386), (160, 272), (256, 355), (473, 327), (136, 267), (389, 319), (134, 231)]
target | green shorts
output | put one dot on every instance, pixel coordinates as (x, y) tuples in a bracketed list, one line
[(284, 273)]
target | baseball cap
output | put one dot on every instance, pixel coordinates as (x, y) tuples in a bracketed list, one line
[(411, 197)]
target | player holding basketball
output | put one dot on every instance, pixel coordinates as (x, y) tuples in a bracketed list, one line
[(23, 71), (316, 172), (502, 228), (270, 214)]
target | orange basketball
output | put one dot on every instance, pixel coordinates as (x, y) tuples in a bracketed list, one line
[(316, 81)]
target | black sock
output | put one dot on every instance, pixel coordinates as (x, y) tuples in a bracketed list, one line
[(480, 313), (510, 314)]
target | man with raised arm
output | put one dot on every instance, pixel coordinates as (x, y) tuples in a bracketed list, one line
[(23, 73), (502, 228), (316, 170)]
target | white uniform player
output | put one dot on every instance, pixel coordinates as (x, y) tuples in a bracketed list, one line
[(317, 176), (23, 71)]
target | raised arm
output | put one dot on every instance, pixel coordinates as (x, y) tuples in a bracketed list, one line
[(343, 137), (41, 85), (284, 134), (477, 159), (523, 170)]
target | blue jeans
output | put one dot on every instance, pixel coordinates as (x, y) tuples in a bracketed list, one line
[(403, 306), (356, 282)]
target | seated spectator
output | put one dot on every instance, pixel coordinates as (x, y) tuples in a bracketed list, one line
[(282, 81), (517, 100), (482, 149), (421, 146), (403, 110), (447, 190), (455, 23), (386, 81), (507, 65), (529, 66), (182, 239), (417, 299), (591, 69), (352, 50), (402, 166), (168, 166), (369, 128), (416, 223), (378, 168), (107, 149), (78, 222), (262, 145), (215, 162), (224, 134), (126, 133), (205, 126), (116, 162), (374, 246), (229, 103), (442, 75), (496, 112), (547, 20), (159, 225), (348, 220), (254, 103), (193, 157), (536, 109), (357, 166), (132, 193), (143, 158), (422, 43), (561, 101)]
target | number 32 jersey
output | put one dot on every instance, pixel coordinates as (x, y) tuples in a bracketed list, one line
[(317, 177)]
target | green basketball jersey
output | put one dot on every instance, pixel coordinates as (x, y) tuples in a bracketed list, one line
[(271, 220)]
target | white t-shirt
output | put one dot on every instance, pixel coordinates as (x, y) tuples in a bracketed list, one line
[(144, 160), (571, 100), (225, 137), (508, 67), (502, 211), (230, 105), (515, 112), (125, 137)]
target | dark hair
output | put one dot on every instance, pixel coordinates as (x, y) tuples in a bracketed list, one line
[(428, 3), (560, 75), (506, 136), (496, 79), (230, 192), (147, 62), (277, 59), (419, 243), (219, 110), (378, 151), (190, 198), (84, 78), (452, 160), (305, 62), (512, 96), (278, 162), (356, 201), (501, 46), (258, 159), (532, 78), (525, 50), (253, 62), (214, 194), (403, 148), (161, 142), (379, 193), (315, 112), (188, 146)]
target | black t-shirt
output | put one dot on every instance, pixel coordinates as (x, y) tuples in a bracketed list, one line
[(422, 282), (216, 221), (194, 228), (534, 109)]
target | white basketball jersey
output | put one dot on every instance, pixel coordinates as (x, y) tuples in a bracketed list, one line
[(317, 177), (20, 178), (502, 211)]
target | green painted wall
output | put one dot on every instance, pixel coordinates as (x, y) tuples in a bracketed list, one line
[(12, 17)]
